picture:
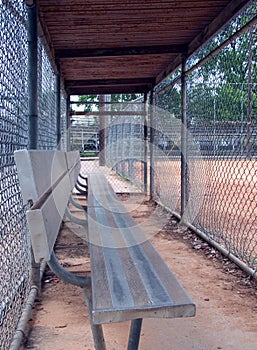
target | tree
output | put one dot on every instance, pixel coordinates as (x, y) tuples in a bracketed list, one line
[(94, 100)]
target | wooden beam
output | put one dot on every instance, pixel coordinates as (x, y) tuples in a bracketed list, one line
[(119, 51), (108, 82), (98, 90), (106, 113)]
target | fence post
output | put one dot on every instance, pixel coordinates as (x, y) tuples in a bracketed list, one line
[(58, 108), (102, 131), (145, 143), (184, 155), (68, 124), (151, 119), (32, 8)]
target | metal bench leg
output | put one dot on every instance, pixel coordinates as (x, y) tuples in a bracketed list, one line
[(73, 218), (84, 192), (77, 204), (97, 330), (134, 335)]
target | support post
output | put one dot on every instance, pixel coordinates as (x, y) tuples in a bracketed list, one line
[(134, 335), (68, 124), (32, 9), (102, 132), (184, 155), (58, 109), (249, 95), (151, 112), (145, 143)]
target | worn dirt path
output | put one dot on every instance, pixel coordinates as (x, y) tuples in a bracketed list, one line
[(225, 298)]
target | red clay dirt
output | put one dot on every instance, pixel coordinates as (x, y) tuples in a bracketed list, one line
[(225, 298)]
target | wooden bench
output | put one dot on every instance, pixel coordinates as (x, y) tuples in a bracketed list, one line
[(129, 279)]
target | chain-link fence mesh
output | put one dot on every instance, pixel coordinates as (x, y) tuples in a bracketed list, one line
[(15, 262), (47, 127), (217, 182), (120, 128), (14, 242), (221, 118)]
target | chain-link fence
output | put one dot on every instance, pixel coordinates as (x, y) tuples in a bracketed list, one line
[(220, 167), (120, 127), (15, 262), (214, 185), (47, 125), (14, 241)]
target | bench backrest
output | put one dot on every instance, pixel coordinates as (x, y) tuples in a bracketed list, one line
[(46, 180)]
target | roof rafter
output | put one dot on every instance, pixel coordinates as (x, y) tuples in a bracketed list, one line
[(119, 51)]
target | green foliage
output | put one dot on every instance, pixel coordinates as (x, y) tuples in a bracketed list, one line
[(220, 88), (94, 100)]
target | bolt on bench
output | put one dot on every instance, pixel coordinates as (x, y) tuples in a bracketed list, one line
[(129, 279)]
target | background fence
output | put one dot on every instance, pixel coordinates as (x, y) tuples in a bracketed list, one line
[(219, 168), (221, 122)]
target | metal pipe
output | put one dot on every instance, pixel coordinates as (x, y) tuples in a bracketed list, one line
[(97, 330), (76, 204), (73, 218), (151, 119), (134, 335), (184, 156), (58, 110), (205, 237), (20, 330), (67, 276), (32, 9), (145, 144), (68, 124), (102, 129)]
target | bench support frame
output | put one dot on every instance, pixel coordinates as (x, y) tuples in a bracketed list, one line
[(85, 283)]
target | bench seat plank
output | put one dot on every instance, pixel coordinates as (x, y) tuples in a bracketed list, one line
[(129, 278)]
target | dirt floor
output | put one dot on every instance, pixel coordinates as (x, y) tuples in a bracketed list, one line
[(225, 298)]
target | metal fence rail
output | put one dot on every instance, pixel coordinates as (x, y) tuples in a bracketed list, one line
[(221, 152)]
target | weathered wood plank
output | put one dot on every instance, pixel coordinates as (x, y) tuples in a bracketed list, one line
[(46, 178), (38, 171), (137, 282)]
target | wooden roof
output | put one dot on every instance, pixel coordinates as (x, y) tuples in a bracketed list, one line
[(126, 46)]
